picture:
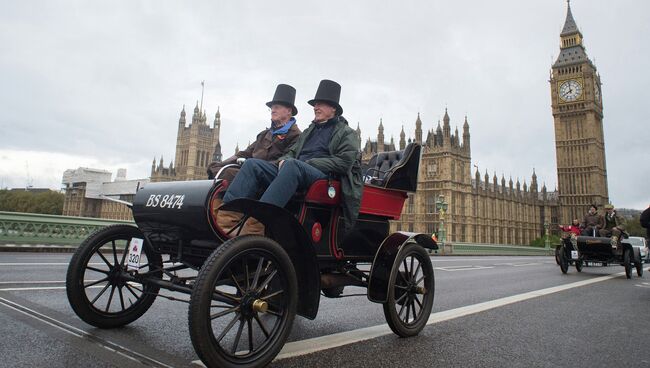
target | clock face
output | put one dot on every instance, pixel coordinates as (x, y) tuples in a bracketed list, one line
[(570, 90)]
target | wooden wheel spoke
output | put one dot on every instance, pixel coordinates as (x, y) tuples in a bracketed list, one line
[(406, 268), (401, 297), (228, 327), (401, 309), (417, 270), (258, 271), (401, 287), (248, 285), (232, 276), (114, 253), (130, 289), (97, 270), (122, 299), (408, 309), (224, 297), (238, 336), (418, 301), (126, 251), (272, 310), (267, 280), (110, 266), (262, 326), (96, 282), (110, 298), (413, 307), (411, 269), (100, 293), (223, 313), (418, 281), (250, 335), (272, 294)]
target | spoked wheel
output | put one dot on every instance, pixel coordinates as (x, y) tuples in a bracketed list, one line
[(99, 288), (243, 304), (578, 265), (564, 262), (627, 263), (411, 289), (639, 266)]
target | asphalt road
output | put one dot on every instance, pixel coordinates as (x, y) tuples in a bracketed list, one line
[(488, 312)]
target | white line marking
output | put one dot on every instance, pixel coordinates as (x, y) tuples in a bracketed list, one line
[(109, 345), (462, 268), (436, 259), (45, 288), (526, 264), (316, 344)]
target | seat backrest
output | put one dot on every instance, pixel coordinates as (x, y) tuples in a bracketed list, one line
[(395, 169)]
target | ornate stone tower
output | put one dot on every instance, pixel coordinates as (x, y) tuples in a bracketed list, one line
[(577, 106)]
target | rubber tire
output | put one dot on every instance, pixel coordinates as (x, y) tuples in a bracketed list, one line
[(639, 266), (564, 262), (74, 279), (627, 263), (557, 254), (201, 333), (579, 265), (390, 313)]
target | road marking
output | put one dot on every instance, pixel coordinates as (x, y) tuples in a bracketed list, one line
[(436, 259), (308, 346), (525, 264), (461, 268), (108, 345)]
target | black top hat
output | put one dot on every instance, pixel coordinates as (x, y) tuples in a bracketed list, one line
[(329, 92), (284, 95)]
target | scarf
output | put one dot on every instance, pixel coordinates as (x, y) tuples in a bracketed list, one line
[(284, 128)]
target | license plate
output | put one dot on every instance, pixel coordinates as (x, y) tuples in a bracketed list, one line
[(574, 254), (135, 249)]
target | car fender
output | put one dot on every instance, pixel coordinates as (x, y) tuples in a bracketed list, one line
[(385, 258), (285, 229)]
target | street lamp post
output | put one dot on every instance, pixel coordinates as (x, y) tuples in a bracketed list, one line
[(441, 207), (547, 242)]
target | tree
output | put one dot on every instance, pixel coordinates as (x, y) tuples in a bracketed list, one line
[(49, 202)]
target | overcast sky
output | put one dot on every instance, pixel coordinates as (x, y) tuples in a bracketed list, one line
[(101, 83)]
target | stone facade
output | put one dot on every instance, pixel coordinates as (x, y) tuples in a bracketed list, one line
[(578, 117), (196, 146), (480, 210)]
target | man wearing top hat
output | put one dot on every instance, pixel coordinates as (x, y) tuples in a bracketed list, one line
[(328, 147), (614, 225), (272, 142)]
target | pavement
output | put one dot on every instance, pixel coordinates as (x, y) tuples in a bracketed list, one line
[(488, 312)]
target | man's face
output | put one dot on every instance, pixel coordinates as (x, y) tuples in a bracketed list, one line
[(592, 210), (280, 113), (323, 111)]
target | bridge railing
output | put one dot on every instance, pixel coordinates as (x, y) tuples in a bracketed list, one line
[(32, 228)]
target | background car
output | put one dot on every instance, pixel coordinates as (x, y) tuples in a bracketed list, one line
[(639, 242)]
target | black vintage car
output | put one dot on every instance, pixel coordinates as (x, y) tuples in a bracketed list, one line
[(581, 250), (244, 290)]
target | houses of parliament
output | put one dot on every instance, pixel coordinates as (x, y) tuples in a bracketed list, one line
[(482, 208)]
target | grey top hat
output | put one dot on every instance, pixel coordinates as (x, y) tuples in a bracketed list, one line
[(284, 95), (329, 92)]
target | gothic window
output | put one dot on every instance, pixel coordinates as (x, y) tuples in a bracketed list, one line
[(432, 169)]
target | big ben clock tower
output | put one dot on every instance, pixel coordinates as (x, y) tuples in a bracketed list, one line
[(578, 117)]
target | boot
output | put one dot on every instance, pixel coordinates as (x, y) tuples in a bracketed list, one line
[(253, 227), (226, 220)]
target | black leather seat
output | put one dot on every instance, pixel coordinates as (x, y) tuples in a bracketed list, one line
[(395, 169)]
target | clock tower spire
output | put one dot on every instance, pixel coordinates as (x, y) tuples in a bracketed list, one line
[(578, 120)]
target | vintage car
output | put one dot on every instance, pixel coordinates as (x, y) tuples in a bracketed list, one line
[(244, 290), (581, 250)]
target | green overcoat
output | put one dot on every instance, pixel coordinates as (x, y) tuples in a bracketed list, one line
[(343, 161)]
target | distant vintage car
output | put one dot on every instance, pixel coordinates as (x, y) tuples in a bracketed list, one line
[(588, 249), (639, 242), (244, 291)]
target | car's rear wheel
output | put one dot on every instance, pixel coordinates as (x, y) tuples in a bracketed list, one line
[(627, 263), (411, 289), (564, 262)]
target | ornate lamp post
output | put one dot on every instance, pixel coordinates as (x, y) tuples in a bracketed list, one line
[(547, 242), (441, 207)]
